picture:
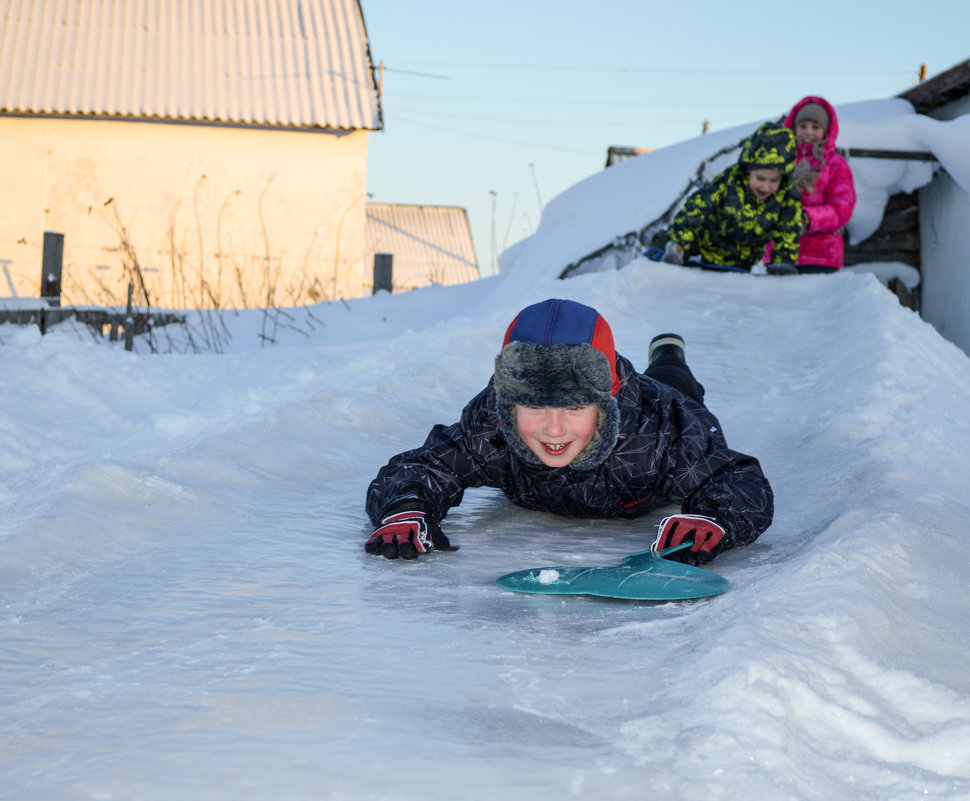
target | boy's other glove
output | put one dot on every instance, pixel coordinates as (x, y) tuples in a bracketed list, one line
[(781, 268), (673, 253), (707, 536), (404, 535)]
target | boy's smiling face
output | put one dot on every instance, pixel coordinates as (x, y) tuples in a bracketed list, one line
[(556, 435)]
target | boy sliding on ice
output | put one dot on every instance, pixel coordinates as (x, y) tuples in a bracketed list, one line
[(730, 220), (567, 425)]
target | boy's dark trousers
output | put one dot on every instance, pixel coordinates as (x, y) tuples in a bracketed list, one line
[(670, 369)]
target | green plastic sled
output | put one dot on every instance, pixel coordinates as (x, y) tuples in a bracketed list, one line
[(643, 576)]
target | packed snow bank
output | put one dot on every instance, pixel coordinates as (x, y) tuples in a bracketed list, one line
[(187, 610), (603, 212)]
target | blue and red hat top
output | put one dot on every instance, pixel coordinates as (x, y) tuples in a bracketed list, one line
[(565, 322), (559, 353)]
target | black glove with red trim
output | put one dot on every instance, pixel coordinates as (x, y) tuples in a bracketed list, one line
[(406, 534), (707, 537)]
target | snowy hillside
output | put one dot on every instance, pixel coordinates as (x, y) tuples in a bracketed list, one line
[(187, 611)]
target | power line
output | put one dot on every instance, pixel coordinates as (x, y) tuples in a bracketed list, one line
[(573, 122), (574, 101), (718, 70), (476, 135), (419, 74)]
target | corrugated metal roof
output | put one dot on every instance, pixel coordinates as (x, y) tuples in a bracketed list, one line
[(303, 63), (430, 244)]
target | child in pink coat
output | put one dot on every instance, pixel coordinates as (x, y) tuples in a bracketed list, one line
[(825, 181)]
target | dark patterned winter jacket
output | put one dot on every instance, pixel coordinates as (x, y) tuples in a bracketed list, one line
[(670, 450), (724, 222)]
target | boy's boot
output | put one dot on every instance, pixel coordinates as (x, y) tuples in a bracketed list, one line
[(667, 363), (667, 347)]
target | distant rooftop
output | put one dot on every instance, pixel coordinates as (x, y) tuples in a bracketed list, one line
[(615, 154), (940, 89), (430, 244), (291, 63)]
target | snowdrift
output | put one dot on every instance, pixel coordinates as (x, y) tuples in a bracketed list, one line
[(187, 611)]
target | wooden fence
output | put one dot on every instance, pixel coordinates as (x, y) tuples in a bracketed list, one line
[(46, 310)]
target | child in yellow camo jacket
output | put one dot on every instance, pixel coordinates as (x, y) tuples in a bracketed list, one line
[(730, 220)]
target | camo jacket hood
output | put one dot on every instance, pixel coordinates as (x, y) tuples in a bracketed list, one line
[(771, 146)]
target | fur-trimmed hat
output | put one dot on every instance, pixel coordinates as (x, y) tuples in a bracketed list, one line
[(813, 111), (559, 353), (771, 146)]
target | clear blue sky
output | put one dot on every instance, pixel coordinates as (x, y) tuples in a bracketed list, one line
[(497, 107)]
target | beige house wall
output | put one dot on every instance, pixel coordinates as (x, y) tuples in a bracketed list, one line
[(213, 215)]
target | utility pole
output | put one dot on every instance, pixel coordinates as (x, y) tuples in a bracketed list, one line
[(494, 263), (535, 181)]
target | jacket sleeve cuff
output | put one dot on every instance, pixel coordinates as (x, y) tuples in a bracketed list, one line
[(405, 504), (726, 522)]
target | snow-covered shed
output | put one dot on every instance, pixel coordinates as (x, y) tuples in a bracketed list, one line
[(213, 152), (944, 209), (912, 176)]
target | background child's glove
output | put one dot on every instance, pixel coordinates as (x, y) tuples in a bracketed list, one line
[(673, 253), (708, 537), (405, 535), (781, 268)]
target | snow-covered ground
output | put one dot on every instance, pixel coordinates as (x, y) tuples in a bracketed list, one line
[(187, 611)]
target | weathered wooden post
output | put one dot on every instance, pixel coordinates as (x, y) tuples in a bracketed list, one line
[(129, 320), (383, 272), (51, 266)]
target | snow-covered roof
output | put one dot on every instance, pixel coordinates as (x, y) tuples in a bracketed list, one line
[(295, 63), (941, 89)]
